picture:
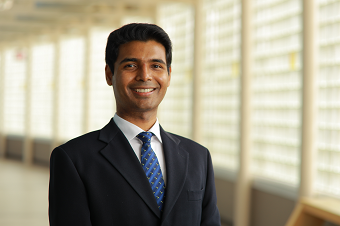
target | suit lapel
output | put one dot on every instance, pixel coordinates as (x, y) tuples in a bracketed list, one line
[(120, 154), (176, 168)]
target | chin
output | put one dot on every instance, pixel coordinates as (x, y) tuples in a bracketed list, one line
[(146, 108)]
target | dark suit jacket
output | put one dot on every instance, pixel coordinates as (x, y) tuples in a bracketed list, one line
[(97, 180)]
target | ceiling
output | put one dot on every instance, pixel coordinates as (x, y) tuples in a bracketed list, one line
[(19, 18)]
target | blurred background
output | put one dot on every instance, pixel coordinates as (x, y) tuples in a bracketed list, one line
[(255, 81)]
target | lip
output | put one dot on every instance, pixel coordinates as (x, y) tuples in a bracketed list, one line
[(143, 91)]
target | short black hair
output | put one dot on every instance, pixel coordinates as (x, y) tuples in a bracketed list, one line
[(136, 32)]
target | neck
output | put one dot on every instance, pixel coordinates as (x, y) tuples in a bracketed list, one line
[(143, 120)]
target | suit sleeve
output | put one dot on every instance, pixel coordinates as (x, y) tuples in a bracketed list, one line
[(68, 204), (210, 213)]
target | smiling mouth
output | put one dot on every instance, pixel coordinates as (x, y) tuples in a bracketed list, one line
[(143, 90)]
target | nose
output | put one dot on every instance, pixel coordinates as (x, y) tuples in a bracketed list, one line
[(144, 73)]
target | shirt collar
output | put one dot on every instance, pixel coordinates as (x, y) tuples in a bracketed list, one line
[(130, 130)]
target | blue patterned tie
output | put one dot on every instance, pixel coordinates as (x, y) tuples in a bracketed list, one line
[(152, 168)]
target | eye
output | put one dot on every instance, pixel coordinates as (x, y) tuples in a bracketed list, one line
[(157, 66), (129, 65)]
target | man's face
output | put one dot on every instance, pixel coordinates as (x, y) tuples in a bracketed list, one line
[(140, 77)]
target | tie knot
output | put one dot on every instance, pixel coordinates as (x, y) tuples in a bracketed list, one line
[(145, 137)]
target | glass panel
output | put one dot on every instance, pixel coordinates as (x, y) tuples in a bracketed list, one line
[(328, 176), (277, 90), (102, 102), (72, 86), (15, 91), (136, 19), (42, 90), (220, 77), (175, 110)]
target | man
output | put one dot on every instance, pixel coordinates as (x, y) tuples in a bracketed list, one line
[(132, 172)]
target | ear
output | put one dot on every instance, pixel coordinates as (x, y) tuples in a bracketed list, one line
[(169, 74), (108, 75)]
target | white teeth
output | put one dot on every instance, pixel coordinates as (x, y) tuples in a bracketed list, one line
[(143, 90)]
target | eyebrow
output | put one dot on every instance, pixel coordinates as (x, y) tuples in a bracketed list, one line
[(135, 60), (128, 60), (158, 61)]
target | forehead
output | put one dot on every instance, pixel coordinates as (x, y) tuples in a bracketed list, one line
[(142, 49)]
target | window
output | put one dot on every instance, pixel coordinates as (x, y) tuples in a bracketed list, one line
[(136, 19), (175, 109), (15, 90), (102, 103), (71, 87), (328, 170), (277, 90), (220, 79), (276, 86), (42, 88)]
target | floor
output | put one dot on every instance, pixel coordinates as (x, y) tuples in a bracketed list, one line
[(23, 194)]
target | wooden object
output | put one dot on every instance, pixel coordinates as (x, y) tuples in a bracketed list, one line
[(315, 212)]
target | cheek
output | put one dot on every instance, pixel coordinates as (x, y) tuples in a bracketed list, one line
[(164, 81), (118, 89), (119, 84)]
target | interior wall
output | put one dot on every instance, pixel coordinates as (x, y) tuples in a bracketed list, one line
[(42, 151), (267, 209), (14, 147), (225, 199)]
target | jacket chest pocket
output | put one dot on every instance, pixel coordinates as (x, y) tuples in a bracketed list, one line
[(195, 195)]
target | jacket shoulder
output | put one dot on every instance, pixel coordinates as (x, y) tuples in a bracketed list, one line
[(85, 141), (187, 143)]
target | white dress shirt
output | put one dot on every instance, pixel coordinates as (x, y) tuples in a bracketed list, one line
[(131, 131)]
